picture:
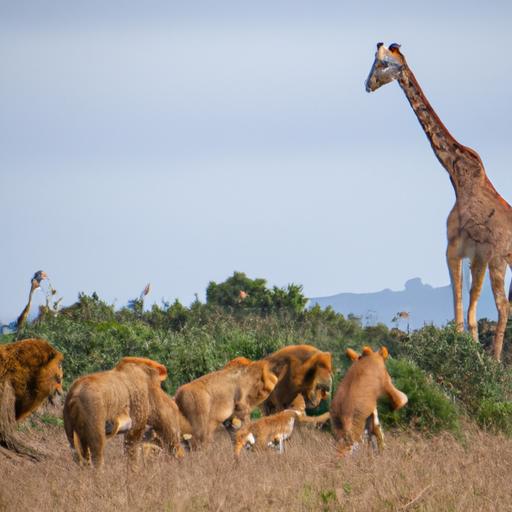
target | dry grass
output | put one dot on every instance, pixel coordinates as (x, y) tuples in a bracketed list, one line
[(415, 473)]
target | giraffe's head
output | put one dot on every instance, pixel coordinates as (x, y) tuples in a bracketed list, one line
[(386, 67)]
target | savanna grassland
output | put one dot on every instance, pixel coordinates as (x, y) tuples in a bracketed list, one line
[(450, 448), (416, 472)]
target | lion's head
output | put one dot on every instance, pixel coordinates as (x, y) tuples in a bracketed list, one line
[(144, 361), (34, 370), (317, 378), (50, 377)]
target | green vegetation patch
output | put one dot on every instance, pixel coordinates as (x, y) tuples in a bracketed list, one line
[(444, 373), (429, 409)]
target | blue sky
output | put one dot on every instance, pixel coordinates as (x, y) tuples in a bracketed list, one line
[(175, 142)]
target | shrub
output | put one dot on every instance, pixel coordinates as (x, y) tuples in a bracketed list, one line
[(428, 409), (495, 416), (241, 293), (465, 371), (459, 364)]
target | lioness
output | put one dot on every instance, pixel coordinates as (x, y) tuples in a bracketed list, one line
[(372, 430), (355, 400), (231, 392), (126, 398)]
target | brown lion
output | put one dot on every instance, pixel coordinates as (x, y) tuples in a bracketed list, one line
[(30, 372), (303, 370), (354, 405), (212, 399), (122, 400)]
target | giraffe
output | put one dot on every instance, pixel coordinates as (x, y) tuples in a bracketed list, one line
[(479, 226), (34, 285)]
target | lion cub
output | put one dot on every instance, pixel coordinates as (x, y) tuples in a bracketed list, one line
[(267, 431)]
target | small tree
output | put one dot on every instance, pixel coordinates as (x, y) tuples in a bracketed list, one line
[(89, 308), (290, 299), (240, 293)]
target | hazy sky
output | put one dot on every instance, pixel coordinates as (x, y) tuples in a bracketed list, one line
[(175, 142)]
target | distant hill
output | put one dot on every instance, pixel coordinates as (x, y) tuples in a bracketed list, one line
[(424, 303)]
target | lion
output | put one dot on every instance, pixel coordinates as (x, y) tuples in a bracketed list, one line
[(122, 400), (372, 431), (267, 431), (30, 372), (304, 370), (273, 430), (234, 423), (212, 399), (354, 404)]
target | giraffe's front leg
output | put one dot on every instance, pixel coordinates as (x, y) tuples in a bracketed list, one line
[(455, 267)]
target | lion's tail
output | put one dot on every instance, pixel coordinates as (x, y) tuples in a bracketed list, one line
[(322, 418)]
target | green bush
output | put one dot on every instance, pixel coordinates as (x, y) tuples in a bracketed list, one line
[(495, 416), (481, 385), (239, 293), (459, 364), (428, 409)]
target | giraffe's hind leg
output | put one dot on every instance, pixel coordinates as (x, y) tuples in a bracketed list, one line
[(478, 268), (497, 271), (455, 267)]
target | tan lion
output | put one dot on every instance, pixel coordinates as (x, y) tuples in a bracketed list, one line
[(273, 430), (268, 431), (122, 400), (373, 432), (218, 396), (304, 370), (355, 401), (30, 372)]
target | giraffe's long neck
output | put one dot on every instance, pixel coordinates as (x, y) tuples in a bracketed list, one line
[(463, 164), (24, 314)]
